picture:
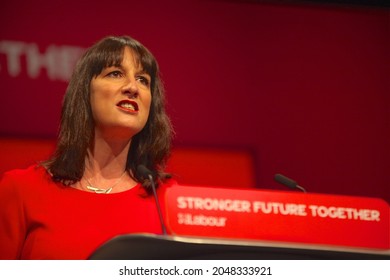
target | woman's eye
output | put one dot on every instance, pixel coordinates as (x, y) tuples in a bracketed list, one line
[(115, 74), (143, 80)]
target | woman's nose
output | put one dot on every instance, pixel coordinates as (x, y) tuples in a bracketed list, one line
[(130, 88)]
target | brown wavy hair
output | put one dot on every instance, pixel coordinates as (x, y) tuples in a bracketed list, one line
[(150, 147)]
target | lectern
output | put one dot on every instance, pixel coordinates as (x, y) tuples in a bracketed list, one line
[(158, 247), (217, 223)]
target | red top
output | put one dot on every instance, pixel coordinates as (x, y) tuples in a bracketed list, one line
[(41, 219)]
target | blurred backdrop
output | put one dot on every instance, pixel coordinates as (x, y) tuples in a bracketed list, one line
[(299, 87)]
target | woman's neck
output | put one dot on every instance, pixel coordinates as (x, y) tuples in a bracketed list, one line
[(107, 158)]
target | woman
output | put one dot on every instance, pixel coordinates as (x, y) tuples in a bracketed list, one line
[(113, 120)]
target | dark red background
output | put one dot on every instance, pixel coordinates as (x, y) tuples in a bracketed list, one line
[(304, 87)]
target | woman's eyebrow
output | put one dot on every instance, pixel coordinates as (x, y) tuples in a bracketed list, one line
[(116, 66)]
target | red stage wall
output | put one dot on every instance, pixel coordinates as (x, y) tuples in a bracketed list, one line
[(304, 87)]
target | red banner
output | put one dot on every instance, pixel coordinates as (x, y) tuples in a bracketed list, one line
[(278, 216)]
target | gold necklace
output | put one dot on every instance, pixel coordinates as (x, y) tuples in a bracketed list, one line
[(99, 190)]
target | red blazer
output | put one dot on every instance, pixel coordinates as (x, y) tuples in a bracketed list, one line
[(41, 219)]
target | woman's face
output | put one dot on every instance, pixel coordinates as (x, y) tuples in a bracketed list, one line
[(121, 98)]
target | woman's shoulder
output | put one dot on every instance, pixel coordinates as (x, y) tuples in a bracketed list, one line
[(31, 175), (32, 171)]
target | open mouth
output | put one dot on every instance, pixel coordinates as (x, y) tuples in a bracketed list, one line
[(128, 105)]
